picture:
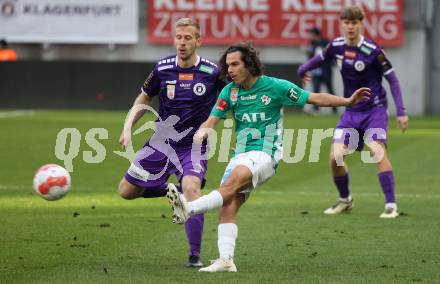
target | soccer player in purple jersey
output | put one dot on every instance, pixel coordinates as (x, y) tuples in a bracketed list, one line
[(187, 86), (361, 63)]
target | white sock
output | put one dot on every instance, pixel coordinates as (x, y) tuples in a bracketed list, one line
[(227, 234), (348, 199), (391, 205), (213, 200)]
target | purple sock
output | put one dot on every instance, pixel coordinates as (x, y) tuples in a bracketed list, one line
[(154, 192), (386, 180), (194, 232), (341, 183)]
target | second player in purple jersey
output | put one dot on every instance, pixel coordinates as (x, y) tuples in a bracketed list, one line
[(361, 63), (187, 86), (188, 93)]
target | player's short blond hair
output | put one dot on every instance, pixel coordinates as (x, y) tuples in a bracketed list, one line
[(352, 13), (185, 22)]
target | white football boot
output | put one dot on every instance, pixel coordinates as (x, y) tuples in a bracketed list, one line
[(340, 206), (220, 265), (389, 213), (175, 198)]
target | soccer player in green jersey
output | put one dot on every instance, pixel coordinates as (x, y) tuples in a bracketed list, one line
[(256, 102)]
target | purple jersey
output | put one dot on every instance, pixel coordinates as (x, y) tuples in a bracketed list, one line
[(189, 93), (363, 65)]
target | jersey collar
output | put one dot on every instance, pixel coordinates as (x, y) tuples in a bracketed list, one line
[(361, 41), (195, 64)]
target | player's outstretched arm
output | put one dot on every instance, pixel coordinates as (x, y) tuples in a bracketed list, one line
[(328, 100), (134, 115), (204, 129), (312, 63)]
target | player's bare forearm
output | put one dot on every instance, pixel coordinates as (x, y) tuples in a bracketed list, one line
[(205, 129), (136, 112), (211, 122), (328, 100), (141, 99)]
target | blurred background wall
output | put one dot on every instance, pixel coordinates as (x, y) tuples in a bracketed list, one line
[(109, 75)]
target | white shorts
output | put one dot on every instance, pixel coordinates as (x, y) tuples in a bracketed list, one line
[(261, 165)]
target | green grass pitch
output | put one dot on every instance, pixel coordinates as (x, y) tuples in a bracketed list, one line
[(93, 236)]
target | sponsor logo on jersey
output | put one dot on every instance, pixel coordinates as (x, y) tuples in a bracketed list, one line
[(206, 69), (171, 91), (359, 65), (252, 117), (221, 105), (138, 173), (366, 50), (349, 61), (186, 76), (173, 82), (185, 86), (266, 100), (293, 94), (248, 98), (234, 94), (199, 89), (350, 54)]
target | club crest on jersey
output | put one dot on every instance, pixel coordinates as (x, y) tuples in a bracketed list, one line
[(199, 89), (234, 94), (171, 91), (266, 100), (359, 66)]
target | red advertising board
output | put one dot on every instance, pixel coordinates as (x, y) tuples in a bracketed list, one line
[(272, 22)]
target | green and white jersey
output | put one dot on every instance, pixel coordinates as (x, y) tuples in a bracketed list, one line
[(258, 113)]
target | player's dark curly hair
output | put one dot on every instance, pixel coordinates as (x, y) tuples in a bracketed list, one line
[(249, 56)]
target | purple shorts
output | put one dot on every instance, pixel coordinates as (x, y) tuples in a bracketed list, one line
[(354, 128), (152, 168)]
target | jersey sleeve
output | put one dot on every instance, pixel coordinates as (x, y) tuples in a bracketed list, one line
[(151, 86), (223, 104), (292, 95), (383, 63), (328, 52)]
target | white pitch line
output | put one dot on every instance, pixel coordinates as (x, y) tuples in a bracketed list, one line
[(15, 113)]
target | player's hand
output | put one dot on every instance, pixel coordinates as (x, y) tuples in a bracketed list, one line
[(125, 139), (200, 136), (307, 77), (359, 95), (402, 123)]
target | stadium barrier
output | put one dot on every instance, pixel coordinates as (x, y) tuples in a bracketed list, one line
[(85, 84)]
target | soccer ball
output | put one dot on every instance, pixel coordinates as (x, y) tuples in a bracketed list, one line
[(52, 182)]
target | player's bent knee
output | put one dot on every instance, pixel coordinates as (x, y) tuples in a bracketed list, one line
[(128, 191), (337, 158), (191, 190)]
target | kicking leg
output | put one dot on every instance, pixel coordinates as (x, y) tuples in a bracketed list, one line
[(227, 235)]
